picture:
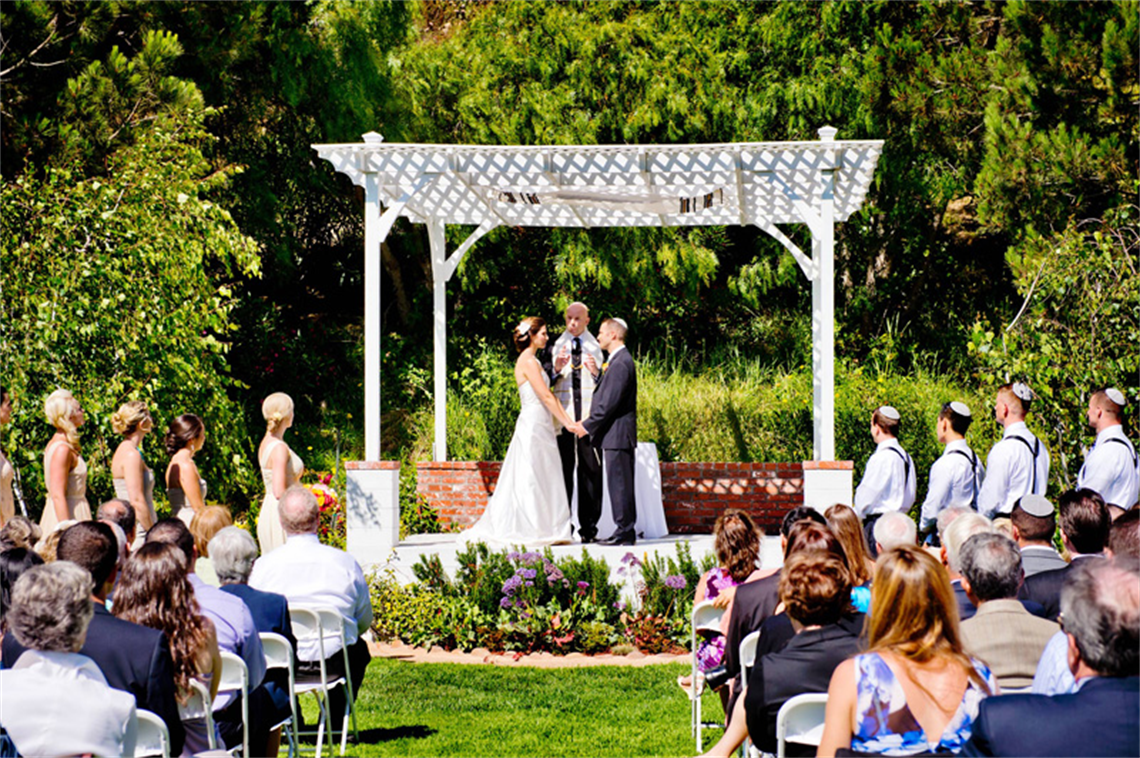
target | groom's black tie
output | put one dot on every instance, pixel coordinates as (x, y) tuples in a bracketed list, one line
[(576, 377)]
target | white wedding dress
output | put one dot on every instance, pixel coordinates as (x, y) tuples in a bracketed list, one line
[(529, 505)]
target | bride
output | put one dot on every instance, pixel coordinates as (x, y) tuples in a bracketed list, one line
[(529, 505)]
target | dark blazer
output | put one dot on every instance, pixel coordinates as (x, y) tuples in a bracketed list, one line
[(1045, 588), (1099, 719), (804, 665), (270, 613), (752, 603), (134, 659), (612, 424)]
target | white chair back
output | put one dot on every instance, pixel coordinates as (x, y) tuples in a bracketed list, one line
[(153, 737), (800, 720), (279, 655), (199, 707), (705, 617), (748, 655), (316, 624), (235, 678)]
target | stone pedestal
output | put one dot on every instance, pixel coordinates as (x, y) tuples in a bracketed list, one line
[(373, 510), (827, 483)]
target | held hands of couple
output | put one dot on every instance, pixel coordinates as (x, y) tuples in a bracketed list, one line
[(577, 429)]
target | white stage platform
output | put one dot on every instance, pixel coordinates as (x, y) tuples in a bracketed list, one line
[(407, 553)]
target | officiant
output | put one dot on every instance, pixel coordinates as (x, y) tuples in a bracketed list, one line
[(577, 359)]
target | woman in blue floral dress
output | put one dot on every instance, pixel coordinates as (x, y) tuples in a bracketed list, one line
[(915, 690)]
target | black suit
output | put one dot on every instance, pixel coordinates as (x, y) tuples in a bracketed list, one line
[(134, 659), (1099, 719), (1045, 588), (612, 427), (752, 603)]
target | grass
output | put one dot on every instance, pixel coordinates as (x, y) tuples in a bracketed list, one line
[(443, 709)]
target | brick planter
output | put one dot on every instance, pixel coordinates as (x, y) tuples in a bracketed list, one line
[(694, 494)]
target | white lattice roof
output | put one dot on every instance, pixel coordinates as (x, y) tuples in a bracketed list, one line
[(758, 183)]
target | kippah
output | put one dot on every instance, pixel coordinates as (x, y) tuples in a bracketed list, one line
[(621, 321), (1035, 505), (960, 408), (1115, 396), (889, 411), (1021, 389)]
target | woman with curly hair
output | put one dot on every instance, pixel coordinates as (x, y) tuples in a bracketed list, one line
[(65, 471), (132, 478), (154, 591)]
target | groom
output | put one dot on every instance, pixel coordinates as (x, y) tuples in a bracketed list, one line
[(612, 427)]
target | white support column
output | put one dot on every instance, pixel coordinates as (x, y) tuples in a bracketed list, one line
[(438, 241), (372, 241), (823, 314)]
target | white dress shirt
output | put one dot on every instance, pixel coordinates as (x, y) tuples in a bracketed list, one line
[(60, 704), (1010, 471), (312, 575), (888, 483), (955, 479), (562, 384), (1110, 468)]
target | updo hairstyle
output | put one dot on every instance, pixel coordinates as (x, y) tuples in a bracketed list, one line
[(276, 408), (522, 339), (182, 431), (58, 409), (131, 417)]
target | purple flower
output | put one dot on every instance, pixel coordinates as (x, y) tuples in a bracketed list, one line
[(505, 603), (553, 574), (676, 581), (528, 573), (512, 584), (529, 558), (512, 556), (583, 585), (631, 560), (530, 584), (619, 605)]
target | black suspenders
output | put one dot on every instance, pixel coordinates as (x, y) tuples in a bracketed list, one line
[(973, 459), (1033, 449), (1126, 447), (906, 464)]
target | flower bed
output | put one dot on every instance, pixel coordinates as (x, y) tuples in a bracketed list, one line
[(515, 601)]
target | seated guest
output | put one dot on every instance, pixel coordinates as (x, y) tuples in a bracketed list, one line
[(55, 701), (236, 634), (13, 563), (1002, 633), (1084, 533), (1034, 521), (120, 512), (1100, 603), (206, 523), (310, 574), (132, 658), (846, 527), (154, 592), (961, 529), (234, 552), (19, 532), (816, 592), (892, 530), (1124, 536), (915, 646)]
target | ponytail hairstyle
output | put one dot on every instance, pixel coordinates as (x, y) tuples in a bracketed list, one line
[(131, 417), (527, 328), (182, 431), (58, 409), (276, 408)]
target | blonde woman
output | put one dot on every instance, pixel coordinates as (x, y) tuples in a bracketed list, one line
[(133, 479), (7, 472), (208, 522), (65, 471), (281, 468), (185, 488)]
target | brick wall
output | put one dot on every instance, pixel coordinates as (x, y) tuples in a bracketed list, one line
[(693, 493)]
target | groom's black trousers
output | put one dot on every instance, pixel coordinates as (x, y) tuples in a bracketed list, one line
[(575, 449), (619, 470)]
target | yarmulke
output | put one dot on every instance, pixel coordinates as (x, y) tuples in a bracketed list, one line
[(622, 322), (1021, 389), (522, 328), (1115, 396), (1035, 505), (889, 411), (960, 408)]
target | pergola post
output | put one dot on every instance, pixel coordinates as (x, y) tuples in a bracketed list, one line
[(373, 238), (438, 241), (823, 312)]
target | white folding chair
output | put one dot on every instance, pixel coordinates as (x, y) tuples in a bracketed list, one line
[(198, 706), (235, 678), (153, 737), (706, 617), (309, 626), (332, 619), (279, 655), (800, 720), (747, 659)]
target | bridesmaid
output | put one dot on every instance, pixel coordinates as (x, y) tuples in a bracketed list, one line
[(133, 479), (7, 501), (280, 468), (65, 471), (185, 488)]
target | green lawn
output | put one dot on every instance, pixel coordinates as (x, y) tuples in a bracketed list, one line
[(408, 709)]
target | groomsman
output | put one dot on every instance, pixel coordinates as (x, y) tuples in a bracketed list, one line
[(1110, 467), (1018, 465), (956, 477), (612, 427), (577, 363), (889, 481)]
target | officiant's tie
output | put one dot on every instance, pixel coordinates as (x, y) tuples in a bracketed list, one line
[(576, 377)]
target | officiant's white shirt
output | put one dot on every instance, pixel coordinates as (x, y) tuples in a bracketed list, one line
[(563, 385)]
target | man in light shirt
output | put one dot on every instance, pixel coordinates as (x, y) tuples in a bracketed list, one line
[(956, 477), (1111, 466), (889, 480), (313, 575), (1018, 464)]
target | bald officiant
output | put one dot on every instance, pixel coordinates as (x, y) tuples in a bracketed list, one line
[(577, 360)]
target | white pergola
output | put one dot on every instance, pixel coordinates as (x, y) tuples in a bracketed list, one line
[(764, 184)]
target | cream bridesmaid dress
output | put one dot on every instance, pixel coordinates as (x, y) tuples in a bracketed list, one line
[(270, 535), (124, 494), (7, 501), (77, 507)]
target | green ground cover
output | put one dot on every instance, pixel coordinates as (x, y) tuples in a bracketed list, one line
[(409, 709)]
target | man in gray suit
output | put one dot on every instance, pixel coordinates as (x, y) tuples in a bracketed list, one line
[(1034, 521), (1002, 633)]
